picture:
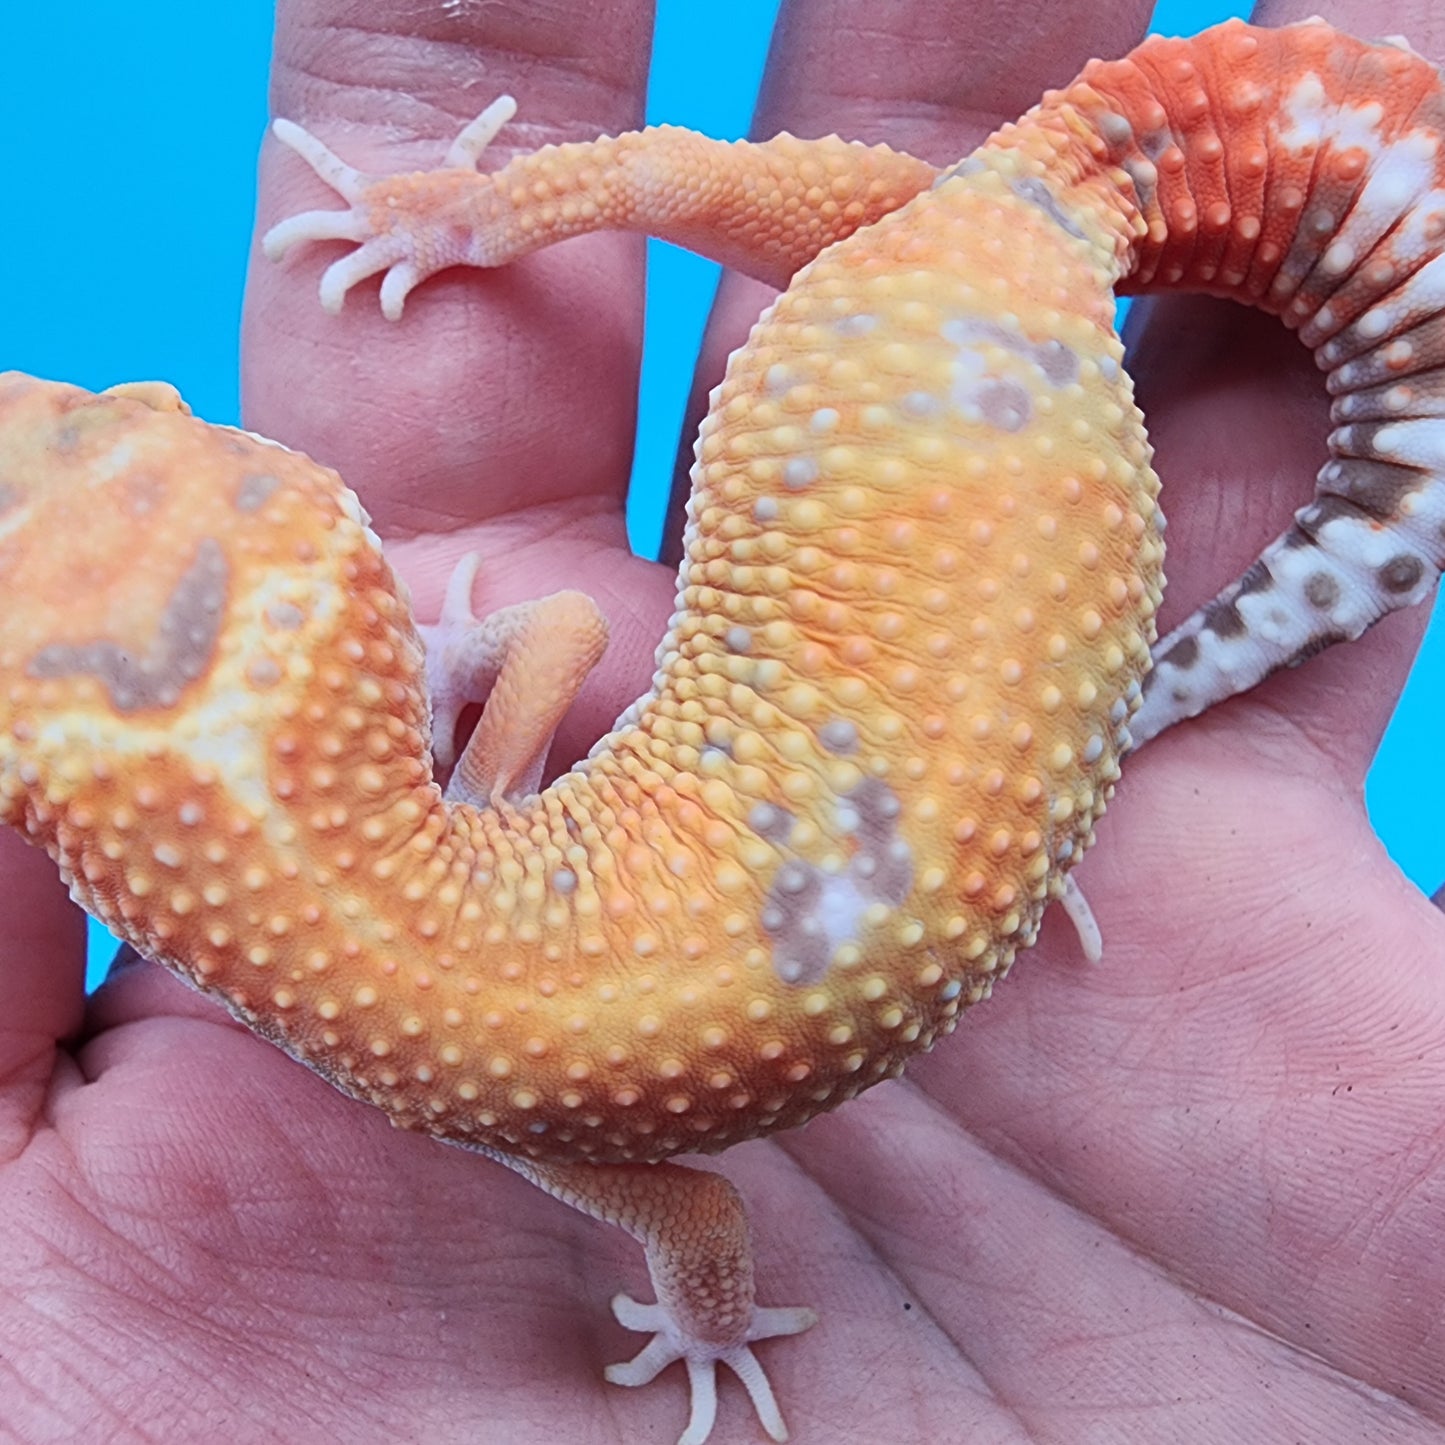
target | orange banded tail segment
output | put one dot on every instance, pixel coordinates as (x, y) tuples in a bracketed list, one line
[(1249, 149), (1300, 171)]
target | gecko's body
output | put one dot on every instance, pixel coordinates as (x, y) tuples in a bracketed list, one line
[(914, 619)]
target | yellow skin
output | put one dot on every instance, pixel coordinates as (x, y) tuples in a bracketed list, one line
[(885, 719), (633, 963), (889, 687), (923, 731)]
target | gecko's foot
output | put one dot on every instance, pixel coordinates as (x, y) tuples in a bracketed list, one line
[(404, 225), (670, 1343)]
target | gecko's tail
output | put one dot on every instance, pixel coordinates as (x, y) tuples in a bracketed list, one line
[(1299, 171)]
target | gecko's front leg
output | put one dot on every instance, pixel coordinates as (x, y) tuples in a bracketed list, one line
[(766, 208), (525, 664)]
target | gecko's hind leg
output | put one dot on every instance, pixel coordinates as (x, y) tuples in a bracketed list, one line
[(693, 1227)]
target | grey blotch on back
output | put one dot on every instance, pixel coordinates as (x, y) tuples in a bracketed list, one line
[(180, 651)]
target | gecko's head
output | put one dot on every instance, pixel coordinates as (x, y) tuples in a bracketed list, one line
[(198, 637)]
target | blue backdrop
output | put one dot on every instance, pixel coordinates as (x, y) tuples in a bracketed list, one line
[(116, 130)]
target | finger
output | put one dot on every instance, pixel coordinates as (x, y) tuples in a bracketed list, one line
[(496, 394), (928, 77), (42, 973), (1238, 416), (497, 416)]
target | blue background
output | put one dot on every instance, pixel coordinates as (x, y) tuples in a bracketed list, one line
[(128, 141)]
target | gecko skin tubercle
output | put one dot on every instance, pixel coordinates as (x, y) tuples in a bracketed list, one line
[(910, 648)]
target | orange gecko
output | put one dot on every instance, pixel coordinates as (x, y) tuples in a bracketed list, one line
[(911, 641)]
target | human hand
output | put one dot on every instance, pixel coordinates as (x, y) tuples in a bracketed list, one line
[(1190, 1192)]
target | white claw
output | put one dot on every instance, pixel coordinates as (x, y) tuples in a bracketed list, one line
[(457, 600), (645, 1366), (396, 286), (340, 276), (1077, 909), (702, 1386), (345, 179), (477, 135), (312, 226), (632, 1314)]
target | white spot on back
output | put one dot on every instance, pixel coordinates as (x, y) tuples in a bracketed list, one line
[(1309, 120), (1417, 443), (798, 472)]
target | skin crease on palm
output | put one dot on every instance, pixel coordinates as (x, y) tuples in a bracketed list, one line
[(1196, 1192)]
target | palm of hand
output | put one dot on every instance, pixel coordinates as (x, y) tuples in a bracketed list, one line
[(1194, 1191)]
